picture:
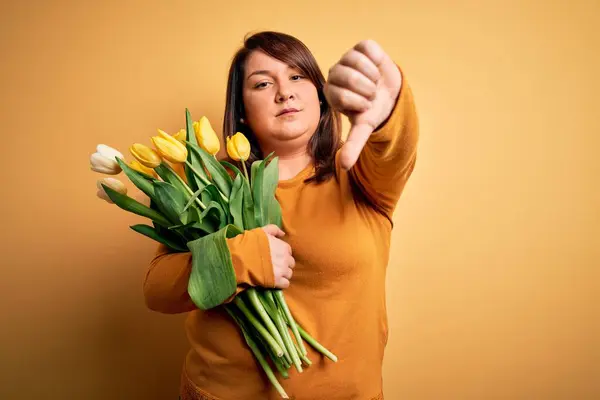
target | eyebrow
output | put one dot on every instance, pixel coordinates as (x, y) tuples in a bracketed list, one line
[(264, 72), (258, 72)]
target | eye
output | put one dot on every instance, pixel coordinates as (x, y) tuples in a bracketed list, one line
[(261, 85), (297, 76)]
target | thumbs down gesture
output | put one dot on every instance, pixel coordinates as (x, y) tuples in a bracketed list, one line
[(363, 85)]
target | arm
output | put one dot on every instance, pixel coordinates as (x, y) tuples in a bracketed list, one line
[(166, 281), (388, 158)]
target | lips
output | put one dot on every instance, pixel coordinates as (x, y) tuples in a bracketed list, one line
[(287, 111)]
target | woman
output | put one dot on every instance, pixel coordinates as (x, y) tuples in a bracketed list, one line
[(337, 204)]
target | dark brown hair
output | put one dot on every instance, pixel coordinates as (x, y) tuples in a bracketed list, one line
[(325, 142)]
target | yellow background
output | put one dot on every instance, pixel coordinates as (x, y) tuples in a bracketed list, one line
[(493, 280)]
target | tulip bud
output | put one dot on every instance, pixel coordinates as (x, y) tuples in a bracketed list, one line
[(181, 135), (145, 155), (196, 125), (135, 164), (170, 148), (112, 183), (238, 147), (104, 160), (206, 137)]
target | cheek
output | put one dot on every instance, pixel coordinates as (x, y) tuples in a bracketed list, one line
[(312, 106), (257, 109)]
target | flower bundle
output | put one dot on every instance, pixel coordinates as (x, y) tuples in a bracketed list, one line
[(196, 203)]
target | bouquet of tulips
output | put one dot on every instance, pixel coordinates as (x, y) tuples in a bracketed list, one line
[(196, 203)]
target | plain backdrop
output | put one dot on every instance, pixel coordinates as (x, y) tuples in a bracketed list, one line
[(493, 282)]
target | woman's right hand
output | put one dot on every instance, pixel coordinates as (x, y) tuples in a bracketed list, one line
[(281, 256)]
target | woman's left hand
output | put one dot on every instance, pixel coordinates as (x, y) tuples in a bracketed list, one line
[(363, 85)]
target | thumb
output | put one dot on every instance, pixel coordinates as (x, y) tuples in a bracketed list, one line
[(273, 230), (357, 137)]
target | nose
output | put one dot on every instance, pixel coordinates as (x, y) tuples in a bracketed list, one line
[(284, 93)]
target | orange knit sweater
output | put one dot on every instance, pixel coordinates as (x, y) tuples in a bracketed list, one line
[(339, 232)]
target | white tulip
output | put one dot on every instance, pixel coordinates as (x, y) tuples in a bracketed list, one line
[(112, 183), (104, 160)]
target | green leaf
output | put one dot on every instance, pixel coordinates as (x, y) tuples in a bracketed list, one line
[(214, 194), (220, 176), (212, 279), (236, 202), (140, 180), (264, 183), (255, 166), (248, 204), (152, 233), (232, 167), (198, 172), (204, 225), (168, 175), (193, 182), (272, 208), (257, 191), (214, 210), (128, 204), (143, 182), (192, 199), (172, 201)]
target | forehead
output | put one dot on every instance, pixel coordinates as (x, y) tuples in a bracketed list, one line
[(257, 60)]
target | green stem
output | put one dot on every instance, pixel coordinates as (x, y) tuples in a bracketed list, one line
[(290, 319), (312, 341), (190, 191), (245, 170), (305, 359), (292, 348), (204, 180), (259, 356), (275, 315), (280, 362), (296, 347), (260, 309), (261, 329)]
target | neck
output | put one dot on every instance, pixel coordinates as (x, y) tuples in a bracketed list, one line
[(292, 162)]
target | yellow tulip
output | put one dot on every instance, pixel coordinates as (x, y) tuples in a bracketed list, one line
[(181, 135), (206, 137), (145, 155), (112, 183), (196, 125), (170, 148), (104, 160), (135, 164), (238, 147)]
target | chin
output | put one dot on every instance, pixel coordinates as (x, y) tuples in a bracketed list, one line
[(290, 131), (292, 134)]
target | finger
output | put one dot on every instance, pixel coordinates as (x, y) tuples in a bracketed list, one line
[(349, 78), (292, 262), (289, 248), (360, 62), (372, 50), (283, 283), (273, 230), (357, 137), (288, 273), (346, 100)]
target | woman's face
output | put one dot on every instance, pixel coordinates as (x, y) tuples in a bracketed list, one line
[(270, 87)]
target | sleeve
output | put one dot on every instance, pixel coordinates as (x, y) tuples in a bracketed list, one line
[(388, 158), (166, 281)]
